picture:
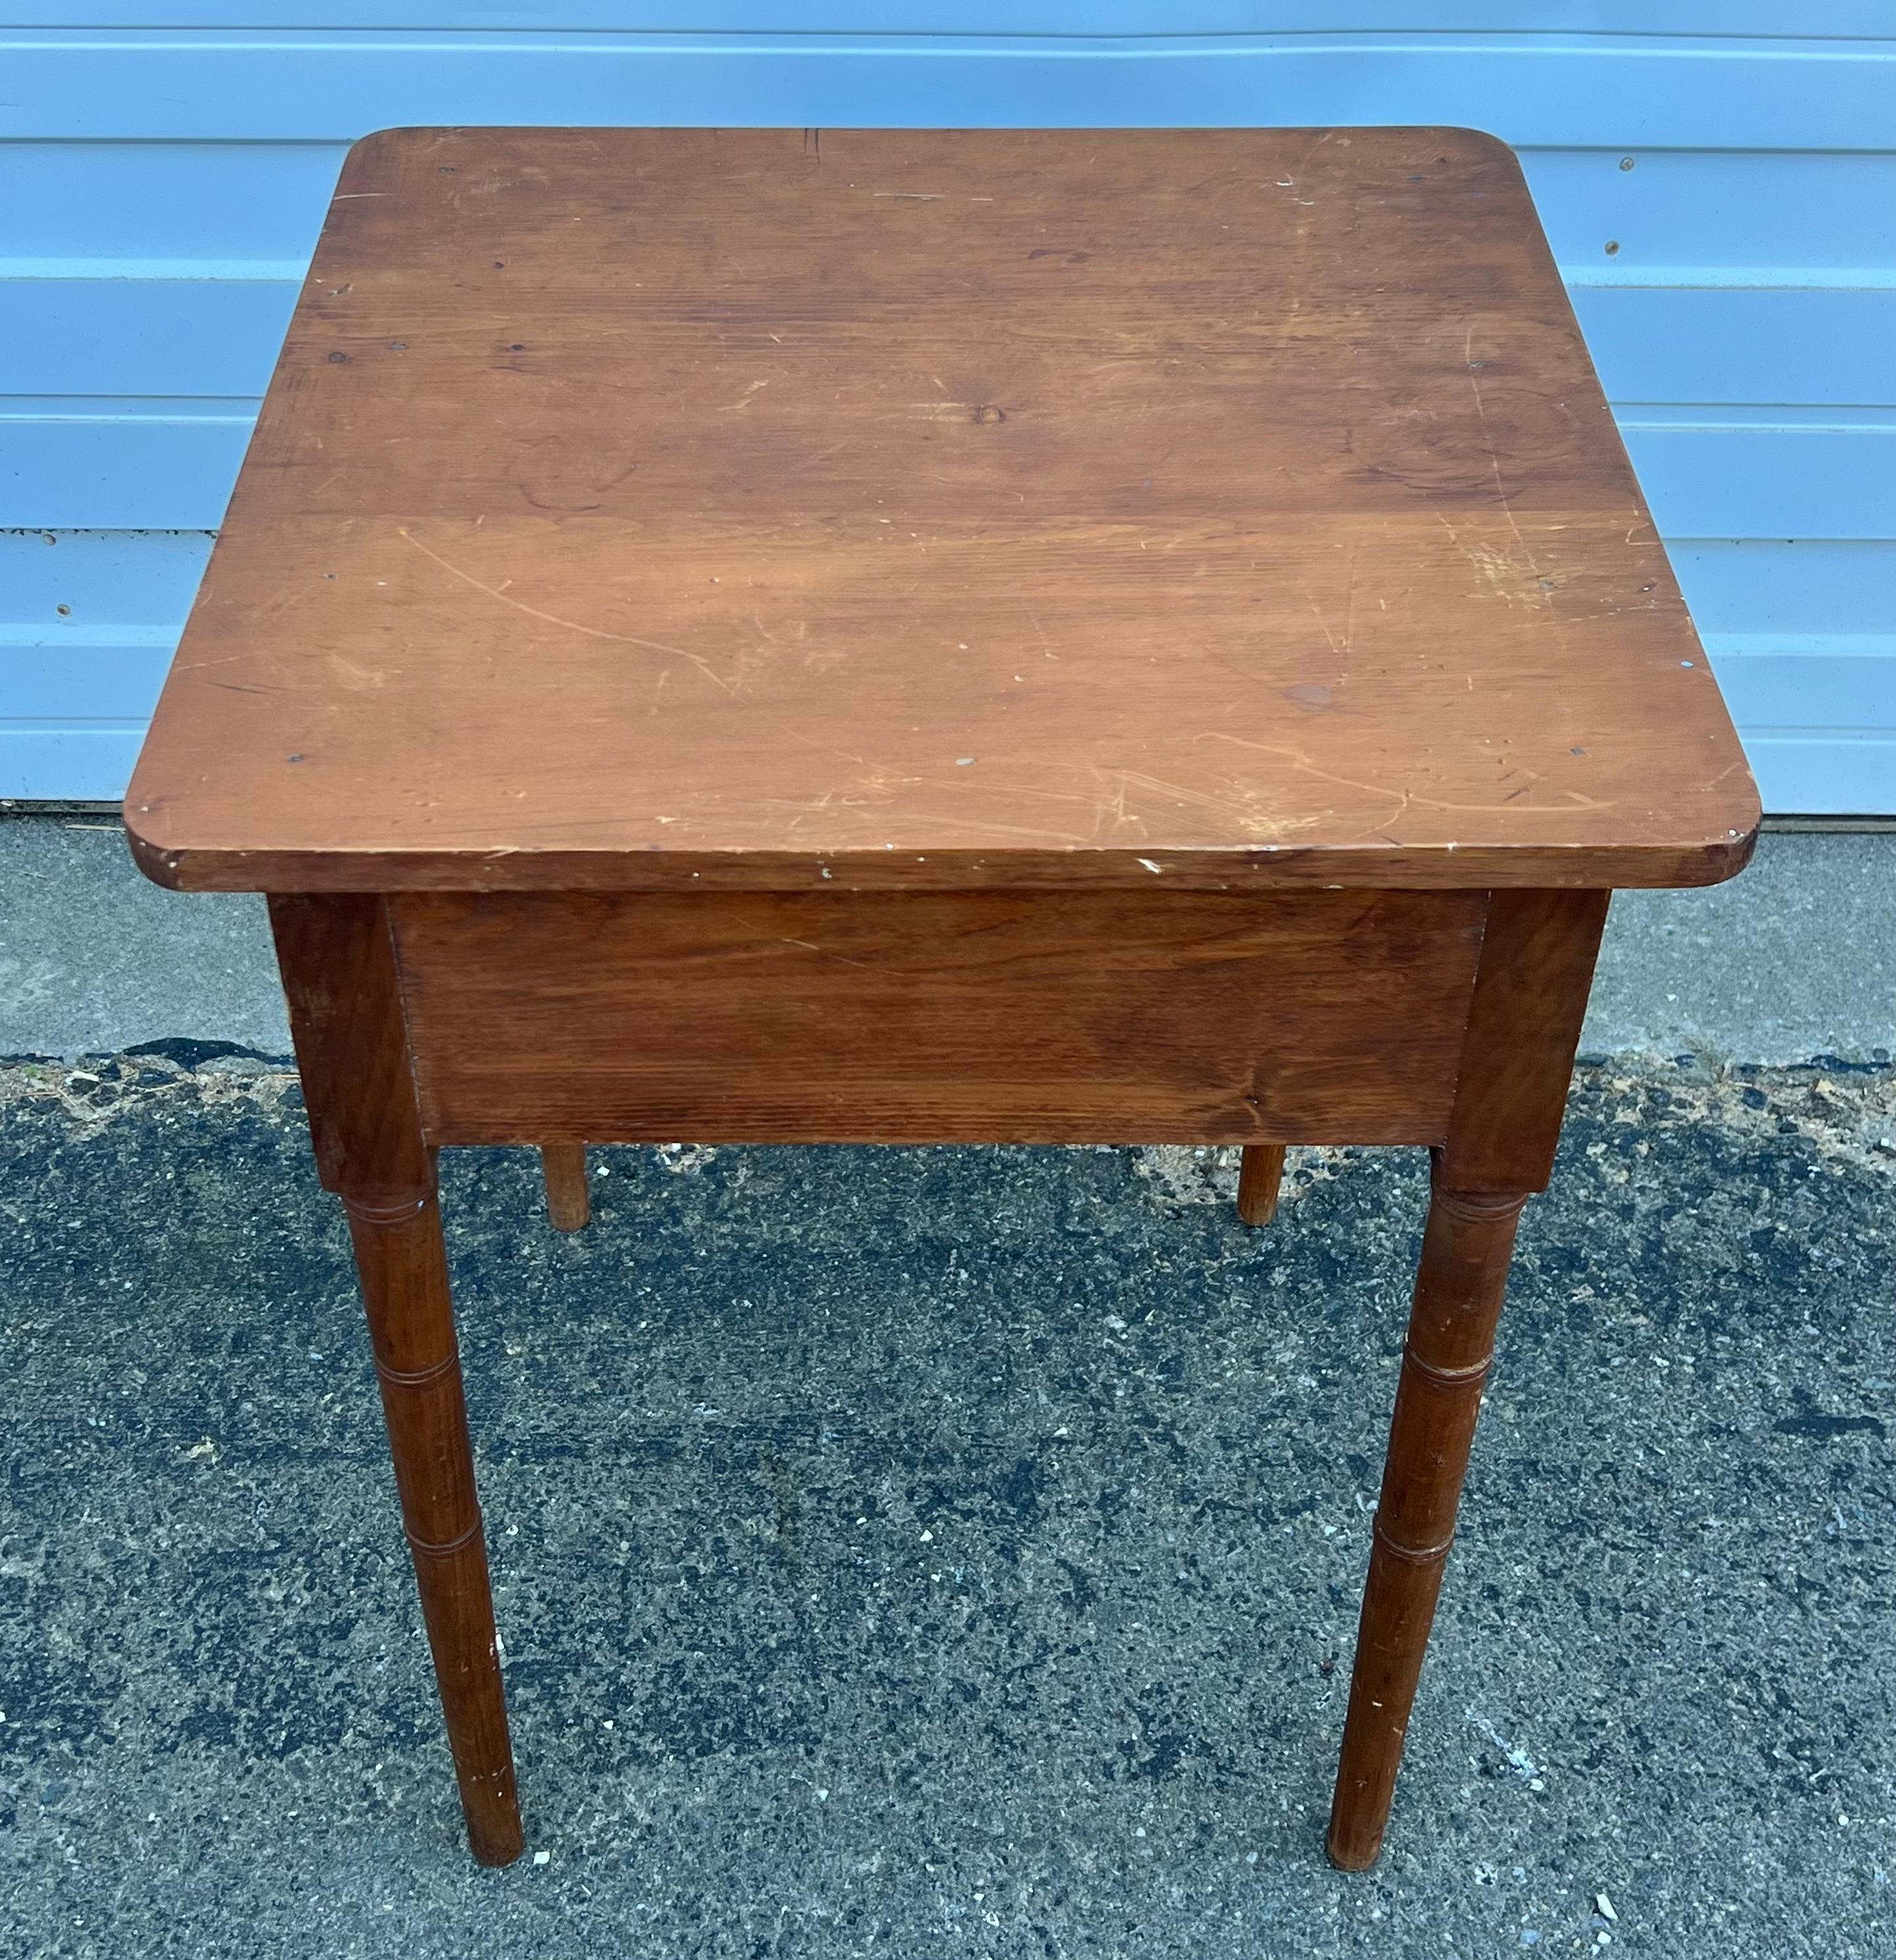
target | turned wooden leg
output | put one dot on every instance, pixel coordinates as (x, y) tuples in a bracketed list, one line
[(1465, 1250), (1524, 1024), (403, 1267), (352, 1049), (568, 1204), (1260, 1173)]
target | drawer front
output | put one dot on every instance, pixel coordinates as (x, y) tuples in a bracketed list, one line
[(937, 1017)]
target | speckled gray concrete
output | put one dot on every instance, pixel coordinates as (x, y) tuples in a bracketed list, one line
[(1794, 958), (95, 957), (954, 1552), (1791, 961)]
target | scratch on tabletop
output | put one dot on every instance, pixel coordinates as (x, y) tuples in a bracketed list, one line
[(1500, 490), (1501, 571), (823, 952), (1494, 461), (1330, 638), (1404, 798), (570, 626), (825, 748)]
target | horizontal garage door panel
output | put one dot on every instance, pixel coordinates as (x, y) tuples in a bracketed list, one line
[(1731, 480), (1826, 347), (101, 576), (1804, 591), (83, 677), (167, 465), (1729, 215), (1803, 693), (1832, 774), (1140, 18), (100, 205), (85, 763), (146, 337), (1549, 90)]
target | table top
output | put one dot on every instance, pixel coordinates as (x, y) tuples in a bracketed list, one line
[(749, 508)]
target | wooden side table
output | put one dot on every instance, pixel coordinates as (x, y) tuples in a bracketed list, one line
[(1052, 637)]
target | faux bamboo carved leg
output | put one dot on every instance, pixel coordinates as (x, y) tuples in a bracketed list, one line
[(1524, 1024), (337, 959), (1465, 1251), (568, 1203), (399, 1256), (1260, 1173)]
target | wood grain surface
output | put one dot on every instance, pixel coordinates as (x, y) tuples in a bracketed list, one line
[(676, 508), (340, 981), (936, 1017), (1530, 997)]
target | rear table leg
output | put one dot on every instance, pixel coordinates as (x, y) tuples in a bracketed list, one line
[(1259, 1175), (568, 1204)]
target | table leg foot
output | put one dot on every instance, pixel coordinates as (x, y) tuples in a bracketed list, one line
[(569, 1205), (403, 1267), (1465, 1250), (1259, 1174)]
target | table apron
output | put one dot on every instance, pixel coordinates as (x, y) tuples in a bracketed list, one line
[(1164, 1017)]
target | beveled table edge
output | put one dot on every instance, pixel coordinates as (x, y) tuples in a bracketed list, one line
[(1435, 867)]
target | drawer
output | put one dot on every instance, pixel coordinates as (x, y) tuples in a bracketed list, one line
[(937, 1017)]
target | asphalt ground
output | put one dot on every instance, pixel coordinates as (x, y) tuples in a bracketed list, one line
[(948, 1552), (952, 1551)]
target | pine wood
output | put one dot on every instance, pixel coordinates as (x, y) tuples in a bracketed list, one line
[(345, 1017), (1530, 997), (1161, 1016), (1524, 1027), (1260, 1173), (569, 1204), (1046, 636), (649, 508)]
